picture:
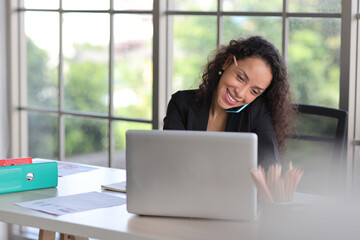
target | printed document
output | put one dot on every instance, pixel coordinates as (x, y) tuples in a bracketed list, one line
[(73, 203)]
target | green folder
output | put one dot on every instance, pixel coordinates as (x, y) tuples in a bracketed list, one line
[(28, 177)]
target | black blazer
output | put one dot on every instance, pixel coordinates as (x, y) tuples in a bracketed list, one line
[(185, 113)]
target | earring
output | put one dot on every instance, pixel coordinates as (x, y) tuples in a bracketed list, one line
[(220, 72)]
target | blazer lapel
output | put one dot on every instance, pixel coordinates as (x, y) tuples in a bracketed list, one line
[(198, 117), (238, 122)]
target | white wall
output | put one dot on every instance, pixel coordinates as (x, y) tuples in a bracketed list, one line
[(3, 97)]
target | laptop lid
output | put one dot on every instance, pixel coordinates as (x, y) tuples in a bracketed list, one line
[(191, 174)]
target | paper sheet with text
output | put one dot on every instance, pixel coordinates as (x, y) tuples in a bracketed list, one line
[(73, 203)]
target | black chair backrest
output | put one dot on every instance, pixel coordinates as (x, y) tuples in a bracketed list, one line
[(332, 131), (318, 144)]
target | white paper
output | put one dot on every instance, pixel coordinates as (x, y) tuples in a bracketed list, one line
[(67, 168), (73, 203)]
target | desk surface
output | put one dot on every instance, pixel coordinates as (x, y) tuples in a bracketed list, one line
[(307, 217)]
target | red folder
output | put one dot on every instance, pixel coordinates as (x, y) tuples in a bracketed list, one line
[(15, 161)]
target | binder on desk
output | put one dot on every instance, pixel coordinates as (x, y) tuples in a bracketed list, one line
[(25, 177), (15, 161)]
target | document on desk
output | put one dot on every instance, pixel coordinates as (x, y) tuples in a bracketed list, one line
[(73, 203), (67, 168)]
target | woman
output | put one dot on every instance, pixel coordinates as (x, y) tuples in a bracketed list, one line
[(245, 88)]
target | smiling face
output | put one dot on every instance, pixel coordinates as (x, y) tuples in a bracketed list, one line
[(242, 82)]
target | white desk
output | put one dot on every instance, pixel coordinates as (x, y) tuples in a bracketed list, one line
[(308, 217)]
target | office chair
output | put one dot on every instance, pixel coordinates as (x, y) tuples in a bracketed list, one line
[(318, 146)]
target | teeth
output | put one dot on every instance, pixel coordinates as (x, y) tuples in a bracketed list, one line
[(231, 99)]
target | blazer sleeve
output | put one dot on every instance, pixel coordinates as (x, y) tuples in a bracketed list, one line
[(175, 116)]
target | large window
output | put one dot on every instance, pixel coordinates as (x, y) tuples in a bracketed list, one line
[(85, 77), (307, 33), (90, 70)]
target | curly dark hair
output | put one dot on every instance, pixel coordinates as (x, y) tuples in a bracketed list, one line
[(278, 96)]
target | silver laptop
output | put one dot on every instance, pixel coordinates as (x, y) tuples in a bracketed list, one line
[(191, 174)]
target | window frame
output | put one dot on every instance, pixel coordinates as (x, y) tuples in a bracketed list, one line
[(351, 62), (18, 82), (162, 69)]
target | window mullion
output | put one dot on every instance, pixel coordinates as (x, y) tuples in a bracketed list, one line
[(111, 86), (285, 30), (348, 79), (61, 89), (161, 63), (219, 23), (23, 143)]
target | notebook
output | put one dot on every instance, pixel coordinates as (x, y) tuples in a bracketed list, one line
[(117, 187), (191, 174)]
